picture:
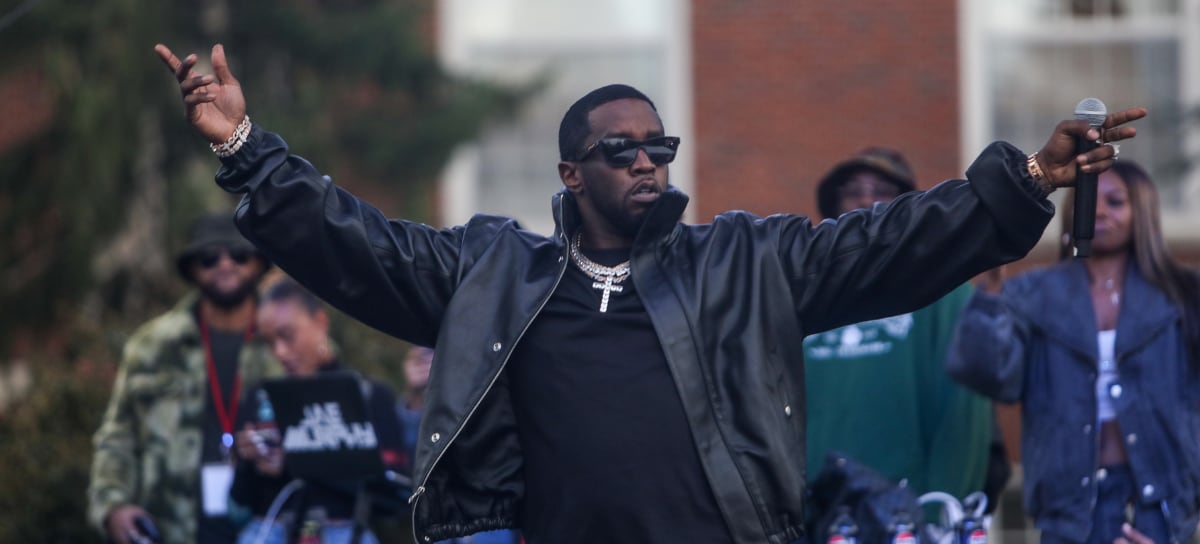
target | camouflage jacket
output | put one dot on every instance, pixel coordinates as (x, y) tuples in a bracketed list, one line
[(148, 447)]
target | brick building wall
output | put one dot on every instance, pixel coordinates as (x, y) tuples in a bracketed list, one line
[(784, 90)]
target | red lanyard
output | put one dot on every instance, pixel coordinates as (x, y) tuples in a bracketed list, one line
[(225, 415)]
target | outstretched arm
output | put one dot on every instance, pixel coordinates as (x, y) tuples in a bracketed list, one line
[(397, 276), (215, 104), (895, 258)]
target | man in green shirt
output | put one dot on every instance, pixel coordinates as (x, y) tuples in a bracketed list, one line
[(876, 390)]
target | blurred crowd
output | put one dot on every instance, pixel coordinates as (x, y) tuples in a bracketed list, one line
[(188, 450), (546, 398)]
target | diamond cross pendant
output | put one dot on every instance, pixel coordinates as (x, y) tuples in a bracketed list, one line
[(608, 287)]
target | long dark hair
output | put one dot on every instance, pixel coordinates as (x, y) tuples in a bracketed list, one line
[(1180, 283)]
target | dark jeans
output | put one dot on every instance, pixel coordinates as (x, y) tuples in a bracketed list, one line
[(1116, 490)]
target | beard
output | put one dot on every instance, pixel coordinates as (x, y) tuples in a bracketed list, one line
[(618, 209), (626, 223), (621, 217), (227, 300)]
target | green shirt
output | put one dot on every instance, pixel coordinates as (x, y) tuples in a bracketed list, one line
[(877, 392)]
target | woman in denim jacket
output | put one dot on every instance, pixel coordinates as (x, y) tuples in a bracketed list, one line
[(1103, 355)]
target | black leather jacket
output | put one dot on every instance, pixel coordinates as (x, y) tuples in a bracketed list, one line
[(730, 301)]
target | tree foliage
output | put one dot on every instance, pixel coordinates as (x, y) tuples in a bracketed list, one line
[(94, 202), (45, 446)]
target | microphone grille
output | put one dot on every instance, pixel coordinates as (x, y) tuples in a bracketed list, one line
[(1091, 110)]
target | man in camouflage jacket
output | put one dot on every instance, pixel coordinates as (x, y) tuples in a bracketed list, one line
[(159, 425)]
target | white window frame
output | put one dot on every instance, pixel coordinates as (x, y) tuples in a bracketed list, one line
[(459, 184), (976, 126)]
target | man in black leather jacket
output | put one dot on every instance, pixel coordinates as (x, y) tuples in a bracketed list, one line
[(630, 378)]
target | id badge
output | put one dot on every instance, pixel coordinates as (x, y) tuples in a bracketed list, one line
[(215, 481)]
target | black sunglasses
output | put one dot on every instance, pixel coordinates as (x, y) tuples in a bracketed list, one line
[(623, 151), (209, 257)]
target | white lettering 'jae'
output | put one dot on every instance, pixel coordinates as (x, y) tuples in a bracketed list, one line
[(324, 429)]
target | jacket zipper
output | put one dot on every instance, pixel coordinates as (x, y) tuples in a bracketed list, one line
[(420, 490)]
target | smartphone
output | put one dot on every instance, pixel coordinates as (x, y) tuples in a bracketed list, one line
[(148, 530)]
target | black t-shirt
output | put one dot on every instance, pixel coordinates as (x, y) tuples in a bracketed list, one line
[(226, 347), (609, 456)]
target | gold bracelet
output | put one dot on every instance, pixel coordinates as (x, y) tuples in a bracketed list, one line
[(1039, 177)]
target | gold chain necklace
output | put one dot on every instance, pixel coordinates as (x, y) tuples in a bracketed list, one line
[(607, 278)]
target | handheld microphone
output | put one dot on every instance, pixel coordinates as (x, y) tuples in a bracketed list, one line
[(1084, 229)]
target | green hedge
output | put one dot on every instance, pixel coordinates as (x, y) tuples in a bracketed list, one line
[(46, 453)]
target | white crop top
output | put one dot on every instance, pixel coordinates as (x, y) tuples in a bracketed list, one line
[(1106, 376)]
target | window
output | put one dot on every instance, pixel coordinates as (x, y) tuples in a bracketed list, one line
[(1027, 63)]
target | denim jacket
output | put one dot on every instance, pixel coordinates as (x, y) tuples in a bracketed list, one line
[(1036, 344)]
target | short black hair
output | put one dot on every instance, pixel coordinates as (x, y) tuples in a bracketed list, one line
[(287, 289), (575, 128)]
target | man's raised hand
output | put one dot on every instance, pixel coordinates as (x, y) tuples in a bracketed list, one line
[(1058, 158), (214, 103)]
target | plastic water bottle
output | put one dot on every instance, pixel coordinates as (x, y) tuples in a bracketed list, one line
[(310, 532), (313, 526), (843, 530), (902, 530), (970, 530), (265, 411), (265, 427)]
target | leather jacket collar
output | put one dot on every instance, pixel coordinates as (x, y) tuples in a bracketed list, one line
[(661, 222)]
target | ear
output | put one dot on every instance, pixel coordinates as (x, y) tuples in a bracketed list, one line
[(569, 173)]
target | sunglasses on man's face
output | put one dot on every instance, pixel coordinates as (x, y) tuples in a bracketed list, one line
[(623, 151), (209, 257)]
